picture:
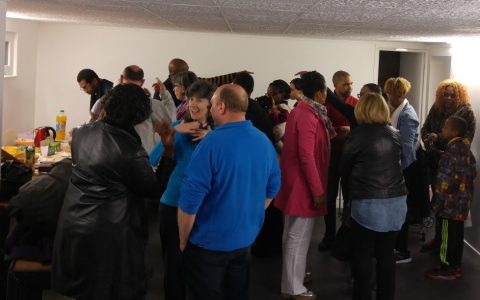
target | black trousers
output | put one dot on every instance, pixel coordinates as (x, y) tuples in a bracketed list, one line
[(332, 193), (402, 237), (269, 240), (215, 275), (451, 247), (368, 244), (174, 283)]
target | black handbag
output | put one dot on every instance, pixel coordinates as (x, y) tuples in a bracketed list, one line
[(14, 174)]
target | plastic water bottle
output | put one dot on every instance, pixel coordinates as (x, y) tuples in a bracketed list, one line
[(61, 125)]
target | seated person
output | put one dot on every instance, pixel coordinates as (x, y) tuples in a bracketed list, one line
[(36, 209)]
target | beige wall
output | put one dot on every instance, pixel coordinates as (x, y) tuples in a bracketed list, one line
[(18, 113), (64, 49)]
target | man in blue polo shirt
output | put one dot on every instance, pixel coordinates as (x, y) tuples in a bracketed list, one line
[(232, 177)]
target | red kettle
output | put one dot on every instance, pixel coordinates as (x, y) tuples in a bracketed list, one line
[(41, 133)]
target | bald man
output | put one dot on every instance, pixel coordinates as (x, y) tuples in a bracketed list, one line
[(161, 111), (232, 177)]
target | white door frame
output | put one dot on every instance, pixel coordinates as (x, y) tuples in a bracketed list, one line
[(423, 107)]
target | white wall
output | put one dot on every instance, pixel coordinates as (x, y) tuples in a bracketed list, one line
[(64, 49), (19, 93), (440, 69), (2, 54)]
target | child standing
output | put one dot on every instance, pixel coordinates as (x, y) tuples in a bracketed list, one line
[(453, 197)]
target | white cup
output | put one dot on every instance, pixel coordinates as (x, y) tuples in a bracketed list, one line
[(44, 150)]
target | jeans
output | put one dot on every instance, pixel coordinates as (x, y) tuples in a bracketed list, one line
[(216, 275)]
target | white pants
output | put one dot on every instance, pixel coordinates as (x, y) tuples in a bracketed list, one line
[(297, 233)]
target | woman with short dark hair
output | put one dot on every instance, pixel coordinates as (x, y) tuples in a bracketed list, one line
[(304, 165), (100, 238), (278, 92), (181, 83), (188, 133)]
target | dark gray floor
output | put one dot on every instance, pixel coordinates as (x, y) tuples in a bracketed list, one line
[(330, 277)]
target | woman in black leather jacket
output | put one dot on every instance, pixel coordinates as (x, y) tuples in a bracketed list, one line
[(99, 244), (371, 167)]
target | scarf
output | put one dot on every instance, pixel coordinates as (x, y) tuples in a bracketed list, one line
[(182, 109), (321, 111), (396, 113)]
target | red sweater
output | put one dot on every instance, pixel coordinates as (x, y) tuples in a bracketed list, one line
[(304, 163)]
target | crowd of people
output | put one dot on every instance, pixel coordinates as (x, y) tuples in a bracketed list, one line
[(225, 167)]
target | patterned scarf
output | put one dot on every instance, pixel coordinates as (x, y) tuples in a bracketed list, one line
[(182, 109), (321, 111)]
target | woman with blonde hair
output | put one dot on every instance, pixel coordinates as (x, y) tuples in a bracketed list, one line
[(451, 99), (377, 197), (404, 118)]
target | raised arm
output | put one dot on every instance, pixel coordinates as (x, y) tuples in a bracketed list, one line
[(344, 109)]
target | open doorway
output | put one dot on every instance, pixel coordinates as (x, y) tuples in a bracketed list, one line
[(410, 65)]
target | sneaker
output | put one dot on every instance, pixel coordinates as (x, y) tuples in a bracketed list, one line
[(442, 273), (308, 295), (402, 257), (430, 247)]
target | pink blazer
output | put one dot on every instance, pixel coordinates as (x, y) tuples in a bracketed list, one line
[(304, 163)]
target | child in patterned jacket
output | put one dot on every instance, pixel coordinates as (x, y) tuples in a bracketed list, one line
[(453, 197)]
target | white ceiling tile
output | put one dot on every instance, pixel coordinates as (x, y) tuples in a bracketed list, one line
[(373, 19)]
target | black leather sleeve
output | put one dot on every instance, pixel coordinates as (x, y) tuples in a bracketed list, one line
[(345, 109)]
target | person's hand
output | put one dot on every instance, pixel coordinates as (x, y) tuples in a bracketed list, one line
[(187, 127), (343, 130), (318, 201), (101, 115), (300, 73), (159, 87), (166, 132), (198, 134)]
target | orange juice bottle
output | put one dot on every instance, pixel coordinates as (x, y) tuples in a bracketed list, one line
[(61, 126)]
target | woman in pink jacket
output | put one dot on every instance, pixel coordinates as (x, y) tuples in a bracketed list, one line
[(304, 164)]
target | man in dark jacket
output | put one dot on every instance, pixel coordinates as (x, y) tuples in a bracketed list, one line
[(91, 84)]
